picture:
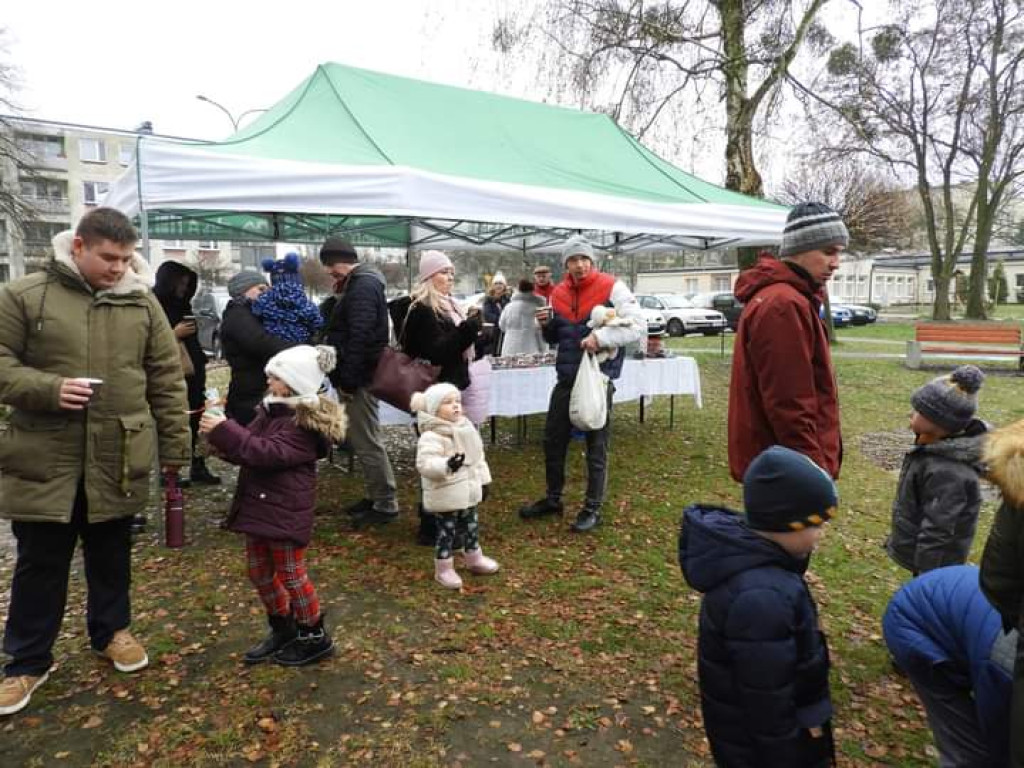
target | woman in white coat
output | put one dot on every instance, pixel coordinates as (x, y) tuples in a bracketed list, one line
[(518, 323)]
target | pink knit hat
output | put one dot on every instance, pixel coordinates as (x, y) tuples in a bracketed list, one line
[(432, 262)]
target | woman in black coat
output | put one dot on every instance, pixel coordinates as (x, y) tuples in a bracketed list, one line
[(174, 289), (247, 346)]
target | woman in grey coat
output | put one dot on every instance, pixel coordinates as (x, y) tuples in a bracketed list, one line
[(518, 323)]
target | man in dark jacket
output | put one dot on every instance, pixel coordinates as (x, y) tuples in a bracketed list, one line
[(783, 389), (583, 288), (946, 636), (762, 662), (175, 286), (247, 346), (357, 327)]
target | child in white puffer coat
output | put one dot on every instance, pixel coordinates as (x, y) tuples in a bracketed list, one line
[(455, 476)]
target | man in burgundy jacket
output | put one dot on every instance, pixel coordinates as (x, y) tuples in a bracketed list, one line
[(783, 389)]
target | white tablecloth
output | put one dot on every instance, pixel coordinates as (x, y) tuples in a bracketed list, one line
[(522, 391)]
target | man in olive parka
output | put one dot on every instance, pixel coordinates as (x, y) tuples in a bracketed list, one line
[(76, 459)]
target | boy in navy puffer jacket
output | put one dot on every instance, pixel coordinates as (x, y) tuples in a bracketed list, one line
[(763, 662)]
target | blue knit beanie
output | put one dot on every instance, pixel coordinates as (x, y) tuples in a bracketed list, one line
[(785, 491)]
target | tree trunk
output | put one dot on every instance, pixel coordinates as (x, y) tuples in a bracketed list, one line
[(940, 309), (740, 170), (977, 291)]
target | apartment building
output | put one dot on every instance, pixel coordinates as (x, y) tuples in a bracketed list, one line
[(69, 169)]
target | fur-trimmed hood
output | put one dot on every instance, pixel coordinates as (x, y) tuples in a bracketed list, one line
[(138, 279), (327, 418), (1004, 455)]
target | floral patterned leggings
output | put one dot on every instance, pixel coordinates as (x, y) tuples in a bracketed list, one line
[(461, 524)]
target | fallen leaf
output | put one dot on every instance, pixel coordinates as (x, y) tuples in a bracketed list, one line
[(514, 746), (95, 721)]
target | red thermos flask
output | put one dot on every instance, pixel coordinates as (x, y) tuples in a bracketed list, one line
[(174, 512)]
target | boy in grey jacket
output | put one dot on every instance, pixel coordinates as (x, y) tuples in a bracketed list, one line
[(935, 512)]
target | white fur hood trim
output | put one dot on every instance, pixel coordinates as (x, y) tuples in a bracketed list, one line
[(138, 279)]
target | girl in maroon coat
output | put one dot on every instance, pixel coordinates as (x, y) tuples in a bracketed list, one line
[(276, 495)]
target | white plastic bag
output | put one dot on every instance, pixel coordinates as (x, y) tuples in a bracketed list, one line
[(588, 402)]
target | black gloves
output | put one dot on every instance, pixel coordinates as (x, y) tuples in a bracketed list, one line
[(456, 461)]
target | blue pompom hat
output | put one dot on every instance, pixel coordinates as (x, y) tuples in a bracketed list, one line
[(284, 270)]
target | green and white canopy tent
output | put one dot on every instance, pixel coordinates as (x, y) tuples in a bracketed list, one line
[(391, 161)]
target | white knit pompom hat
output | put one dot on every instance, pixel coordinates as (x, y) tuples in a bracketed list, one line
[(303, 368), (431, 400)]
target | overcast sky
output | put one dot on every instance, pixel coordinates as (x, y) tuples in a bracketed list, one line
[(116, 63)]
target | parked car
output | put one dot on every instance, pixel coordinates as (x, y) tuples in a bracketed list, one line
[(686, 315), (723, 302), (655, 321), (681, 317), (208, 306), (861, 315), (841, 316)]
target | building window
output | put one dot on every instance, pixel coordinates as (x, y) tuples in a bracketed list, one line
[(42, 232), (722, 283), (252, 256), (174, 245), (94, 192), (691, 285), (125, 153), (92, 150), (44, 189), (208, 245), (5, 273), (42, 146)]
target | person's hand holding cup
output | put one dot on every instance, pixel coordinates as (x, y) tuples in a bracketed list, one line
[(543, 316), (185, 328), (75, 394)]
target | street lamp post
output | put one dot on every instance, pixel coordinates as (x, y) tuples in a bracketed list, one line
[(234, 120)]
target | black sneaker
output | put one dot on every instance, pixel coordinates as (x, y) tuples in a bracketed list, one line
[(201, 474), (540, 508), (586, 520), (372, 517), (361, 507)]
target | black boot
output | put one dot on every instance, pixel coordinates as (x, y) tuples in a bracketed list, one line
[(540, 508), (426, 536), (282, 631), (310, 644), (200, 473), (138, 524)]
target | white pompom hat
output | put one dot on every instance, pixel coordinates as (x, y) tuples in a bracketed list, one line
[(431, 400), (303, 368)]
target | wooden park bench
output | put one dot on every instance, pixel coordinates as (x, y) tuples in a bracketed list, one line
[(986, 339)]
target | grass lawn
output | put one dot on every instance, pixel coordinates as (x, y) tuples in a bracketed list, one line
[(579, 652)]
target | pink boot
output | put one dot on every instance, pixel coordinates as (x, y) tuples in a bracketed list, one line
[(477, 563), (445, 575)]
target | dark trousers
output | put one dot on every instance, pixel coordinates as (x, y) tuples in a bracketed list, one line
[(558, 433), (40, 586)]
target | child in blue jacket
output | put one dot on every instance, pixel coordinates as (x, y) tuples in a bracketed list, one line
[(762, 660)]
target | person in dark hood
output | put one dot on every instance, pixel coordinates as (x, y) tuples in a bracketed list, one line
[(247, 346), (783, 389), (357, 327), (175, 286), (935, 513), (762, 661)]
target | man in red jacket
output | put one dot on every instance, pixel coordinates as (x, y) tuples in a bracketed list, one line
[(783, 389)]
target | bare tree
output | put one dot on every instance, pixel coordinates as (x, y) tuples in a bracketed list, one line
[(936, 95), (876, 212), (636, 60), (15, 162)]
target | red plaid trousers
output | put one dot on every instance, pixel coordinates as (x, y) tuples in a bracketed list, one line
[(278, 571)]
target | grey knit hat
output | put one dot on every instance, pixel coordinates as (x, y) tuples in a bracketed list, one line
[(812, 227), (243, 281), (577, 246), (950, 401)]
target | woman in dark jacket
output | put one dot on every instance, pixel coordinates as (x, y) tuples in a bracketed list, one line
[(430, 325), (175, 286), (1002, 564), (246, 345)]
